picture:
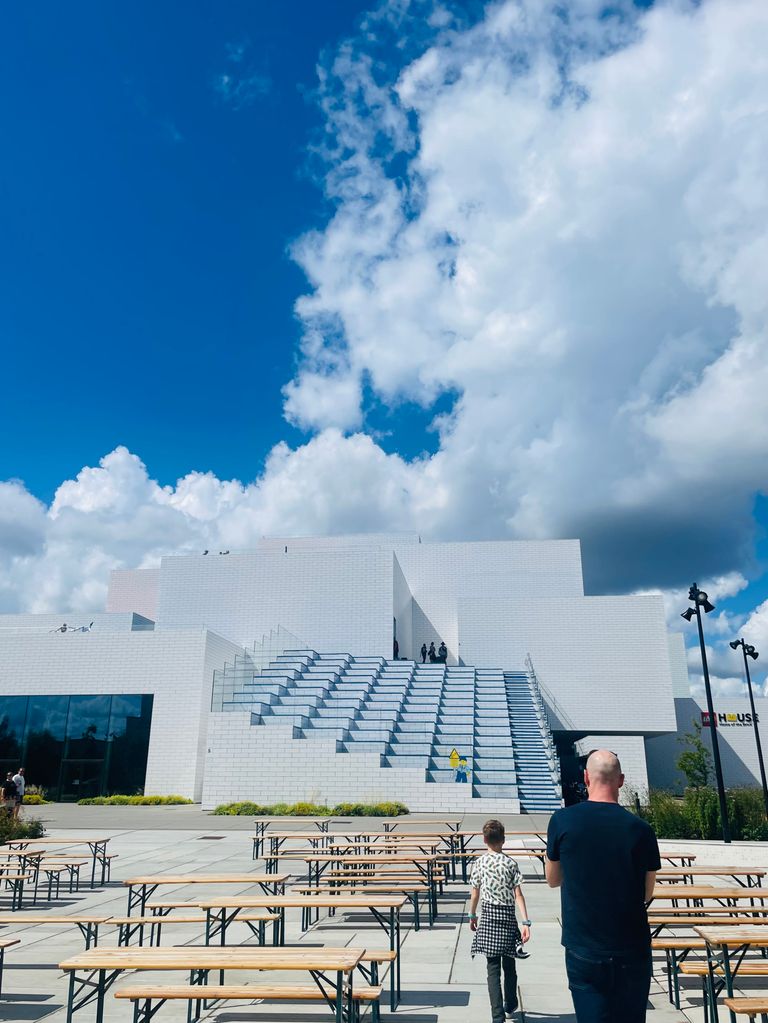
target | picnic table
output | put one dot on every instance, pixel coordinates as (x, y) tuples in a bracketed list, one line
[(148, 885), (697, 894), (746, 877), (392, 823), (92, 973), (726, 949), (97, 846), (263, 823), (424, 863), (385, 909), (88, 925)]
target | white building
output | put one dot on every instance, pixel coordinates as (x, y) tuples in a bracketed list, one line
[(345, 722)]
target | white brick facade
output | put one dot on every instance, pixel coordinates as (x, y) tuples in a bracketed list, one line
[(176, 667), (265, 764)]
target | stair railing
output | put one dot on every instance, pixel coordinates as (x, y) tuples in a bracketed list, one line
[(546, 707)]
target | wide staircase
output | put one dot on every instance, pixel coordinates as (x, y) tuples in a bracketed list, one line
[(424, 716), (538, 778)]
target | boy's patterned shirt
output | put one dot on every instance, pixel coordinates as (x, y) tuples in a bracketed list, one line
[(496, 875)]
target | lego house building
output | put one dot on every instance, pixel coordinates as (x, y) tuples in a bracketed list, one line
[(448, 676)]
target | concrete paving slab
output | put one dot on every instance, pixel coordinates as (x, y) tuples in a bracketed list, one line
[(441, 982)]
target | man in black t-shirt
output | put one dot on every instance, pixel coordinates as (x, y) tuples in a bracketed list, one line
[(604, 859)]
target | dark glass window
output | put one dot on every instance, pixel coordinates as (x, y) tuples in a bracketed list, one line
[(75, 746), (13, 716), (129, 728), (87, 727), (46, 730)]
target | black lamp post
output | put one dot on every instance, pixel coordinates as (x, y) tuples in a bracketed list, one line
[(749, 651), (701, 600)]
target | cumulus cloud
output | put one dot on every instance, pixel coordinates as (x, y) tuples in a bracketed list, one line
[(562, 219), (554, 214)]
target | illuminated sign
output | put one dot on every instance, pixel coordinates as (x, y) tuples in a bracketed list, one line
[(729, 720)]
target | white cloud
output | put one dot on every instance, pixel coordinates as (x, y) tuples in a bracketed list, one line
[(562, 220), (580, 259)]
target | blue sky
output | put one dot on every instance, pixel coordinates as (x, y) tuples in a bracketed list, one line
[(146, 215), (434, 265)]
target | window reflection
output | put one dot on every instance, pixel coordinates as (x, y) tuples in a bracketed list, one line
[(76, 746)]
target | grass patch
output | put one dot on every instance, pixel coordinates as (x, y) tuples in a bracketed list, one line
[(248, 809), (134, 801)]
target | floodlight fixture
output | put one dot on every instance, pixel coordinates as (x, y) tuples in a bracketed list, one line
[(701, 602), (748, 650)]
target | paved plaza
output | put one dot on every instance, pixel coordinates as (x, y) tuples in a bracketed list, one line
[(440, 981)]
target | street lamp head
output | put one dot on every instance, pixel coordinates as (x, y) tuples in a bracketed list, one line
[(701, 598), (735, 644), (751, 652), (689, 614)]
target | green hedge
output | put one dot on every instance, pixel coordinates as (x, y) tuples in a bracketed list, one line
[(11, 829), (248, 809), (35, 799), (697, 814), (134, 801)]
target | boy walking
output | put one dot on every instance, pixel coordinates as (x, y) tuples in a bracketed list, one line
[(496, 886)]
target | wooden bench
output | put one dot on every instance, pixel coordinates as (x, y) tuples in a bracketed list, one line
[(143, 997), (4, 944), (752, 1007), (367, 885), (16, 883), (128, 926), (676, 951)]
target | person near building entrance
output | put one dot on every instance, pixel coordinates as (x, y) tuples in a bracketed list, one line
[(9, 795), (423, 653), (20, 783), (604, 859), (496, 886)]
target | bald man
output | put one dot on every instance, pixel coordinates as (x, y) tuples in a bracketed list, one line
[(604, 859)]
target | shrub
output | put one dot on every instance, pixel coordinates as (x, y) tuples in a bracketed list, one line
[(665, 815), (35, 799), (697, 814), (245, 808), (134, 801), (11, 829)]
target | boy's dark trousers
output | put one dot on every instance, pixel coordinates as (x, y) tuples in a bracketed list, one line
[(508, 1003)]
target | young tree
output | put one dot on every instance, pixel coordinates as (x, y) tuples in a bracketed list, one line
[(695, 761)]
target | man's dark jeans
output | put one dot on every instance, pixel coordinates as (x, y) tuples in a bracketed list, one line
[(509, 1002), (613, 989)]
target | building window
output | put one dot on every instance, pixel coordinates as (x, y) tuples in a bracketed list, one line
[(77, 746)]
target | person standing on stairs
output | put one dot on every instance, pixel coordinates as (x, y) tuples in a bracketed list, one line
[(496, 886), (423, 653)]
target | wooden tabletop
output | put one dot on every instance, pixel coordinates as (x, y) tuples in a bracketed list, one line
[(418, 820), (57, 841), (208, 879), (714, 871), (314, 835), (734, 935), (369, 858), (305, 901), (705, 891), (214, 957), (47, 918)]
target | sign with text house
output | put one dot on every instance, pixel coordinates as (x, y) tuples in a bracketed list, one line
[(728, 720)]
